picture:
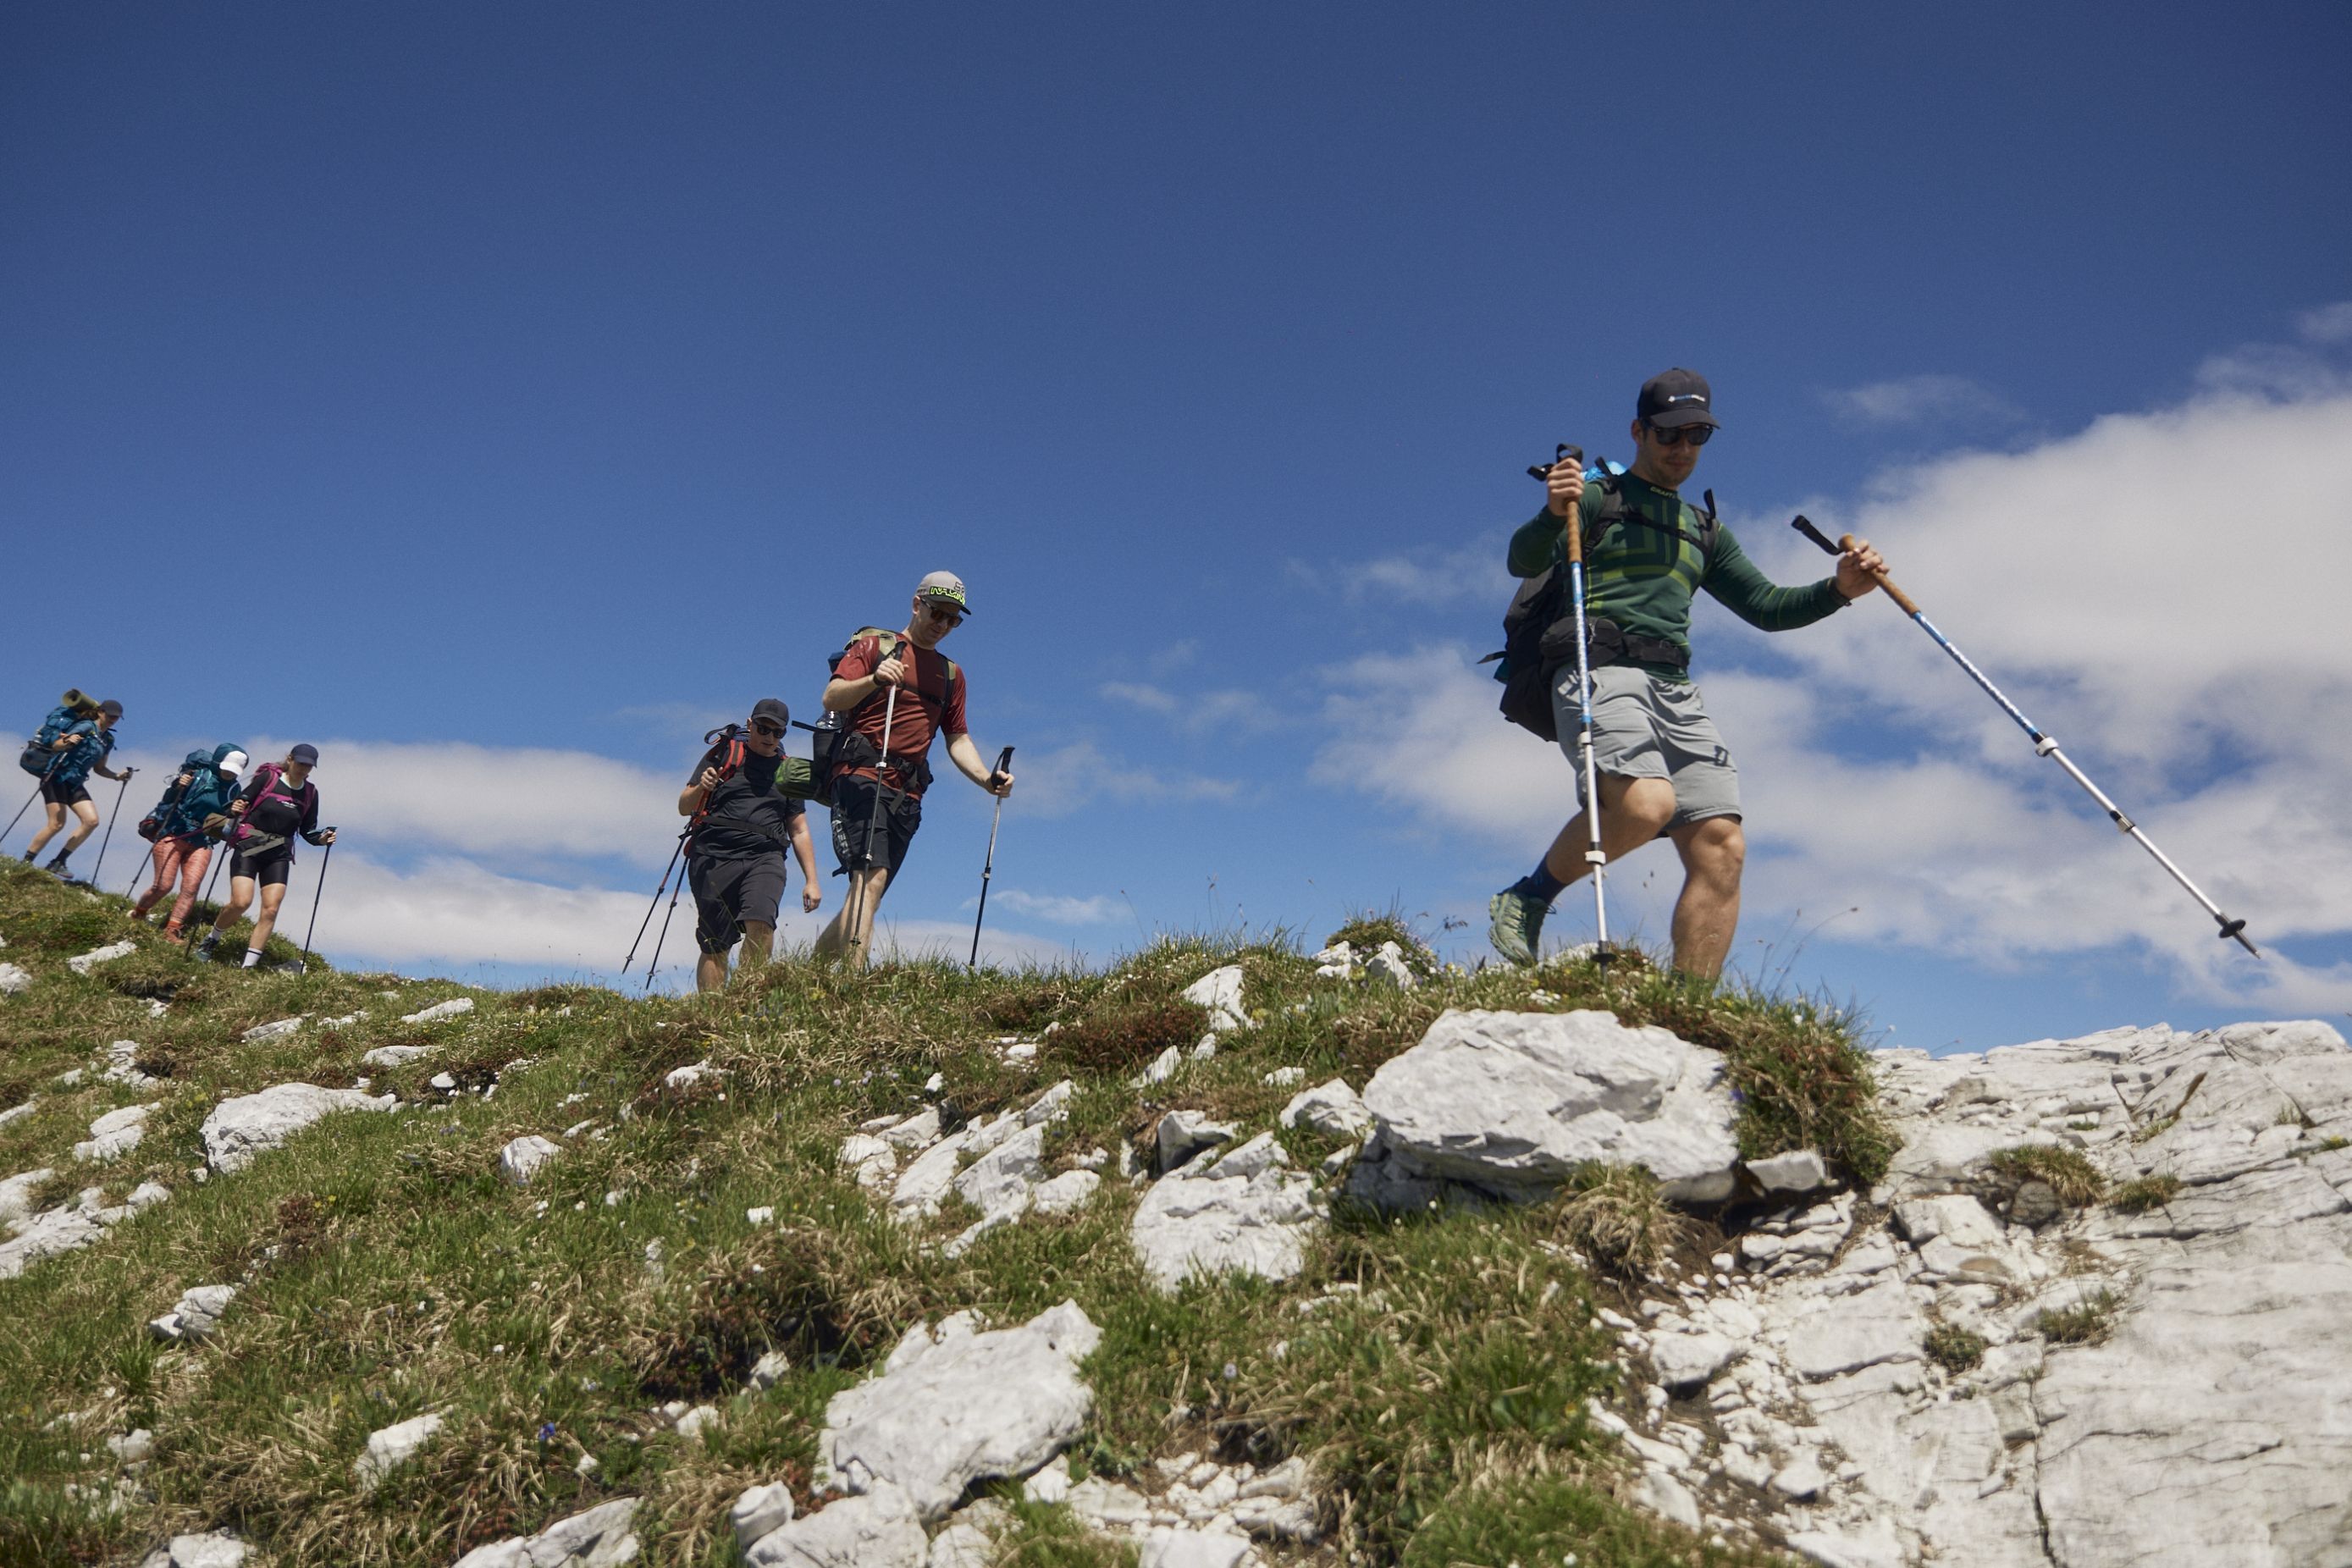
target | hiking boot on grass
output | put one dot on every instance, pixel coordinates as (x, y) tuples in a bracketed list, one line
[(1514, 920)]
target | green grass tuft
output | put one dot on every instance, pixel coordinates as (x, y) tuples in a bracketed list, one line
[(2142, 1194), (1953, 1348), (1614, 1215), (2066, 1172), (2086, 1324)]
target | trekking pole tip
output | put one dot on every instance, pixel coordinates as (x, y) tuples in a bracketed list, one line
[(2235, 930)]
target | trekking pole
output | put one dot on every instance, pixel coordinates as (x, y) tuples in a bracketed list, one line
[(858, 906), (653, 965), (988, 867), (659, 889), (21, 810), (108, 837), (1594, 855), (221, 857), (316, 894), (2044, 745)]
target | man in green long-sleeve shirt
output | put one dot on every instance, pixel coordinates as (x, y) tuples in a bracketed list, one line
[(1662, 768)]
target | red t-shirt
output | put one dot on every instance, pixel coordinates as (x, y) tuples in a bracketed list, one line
[(926, 704)]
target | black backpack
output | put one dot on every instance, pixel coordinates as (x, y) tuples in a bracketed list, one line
[(1540, 625)]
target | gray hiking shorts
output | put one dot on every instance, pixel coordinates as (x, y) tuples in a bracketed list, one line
[(1644, 727)]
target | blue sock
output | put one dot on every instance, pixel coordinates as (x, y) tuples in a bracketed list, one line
[(1539, 883)]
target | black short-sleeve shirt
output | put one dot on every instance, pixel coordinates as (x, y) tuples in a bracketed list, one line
[(745, 817)]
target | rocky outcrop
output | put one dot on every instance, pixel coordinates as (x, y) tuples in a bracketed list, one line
[(1957, 1367), (1245, 1210), (600, 1538), (241, 1128), (955, 1404), (1511, 1104)]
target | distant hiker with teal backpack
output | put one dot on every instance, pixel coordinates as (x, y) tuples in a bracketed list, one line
[(279, 804), (747, 802), (893, 691), (1662, 768), (204, 787), (76, 749)]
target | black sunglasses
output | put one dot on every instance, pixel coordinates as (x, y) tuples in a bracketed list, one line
[(764, 728), (945, 613), (1688, 436)]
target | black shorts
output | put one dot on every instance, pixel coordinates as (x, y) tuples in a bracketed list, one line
[(852, 814), (270, 868), (731, 894), (57, 794)]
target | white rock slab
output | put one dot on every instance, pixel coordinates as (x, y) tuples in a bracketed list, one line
[(1006, 1173), (1514, 1102), (1196, 1548), (212, 1548), (18, 1112), (13, 979), (600, 1538), (1184, 1134), (877, 1528), (277, 1031), (954, 1405), (522, 1157), (391, 1448), (393, 1056), (1798, 1170), (760, 1511), (241, 1128), (1244, 1211), (438, 1011), (1064, 1193), (1332, 1107), (82, 964), (1219, 992), (197, 1314), (115, 1133), (1688, 1362), (17, 1194)]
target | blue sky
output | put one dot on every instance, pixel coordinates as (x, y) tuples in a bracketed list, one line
[(497, 396)]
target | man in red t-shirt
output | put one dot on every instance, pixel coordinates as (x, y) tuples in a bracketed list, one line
[(930, 698)]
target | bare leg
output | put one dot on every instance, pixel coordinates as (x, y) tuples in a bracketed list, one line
[(759, 943), (86, 812), (54, 817), (1633, 812), (240, 898), (1713, 852), (710, 972), (851, 940), (266, 921)]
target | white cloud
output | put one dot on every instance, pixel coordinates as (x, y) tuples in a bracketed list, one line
[(1198, 713), (2161, 591), (2329, 323), (1471, 573), (1920, 400), (1060, 908), (1058, 782)]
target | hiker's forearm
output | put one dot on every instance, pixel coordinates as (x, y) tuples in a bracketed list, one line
[(804, 849), (841, 696), (967, 760)]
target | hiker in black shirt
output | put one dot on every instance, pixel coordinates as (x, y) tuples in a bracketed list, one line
[(735, 859)]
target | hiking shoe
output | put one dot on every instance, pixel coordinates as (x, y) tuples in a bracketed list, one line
[(1515, 924)]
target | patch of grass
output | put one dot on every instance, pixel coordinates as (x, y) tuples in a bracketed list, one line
[(2068, 1172), (1530, 1516), (2142, 1194), (1953, 1348), (1051, 1536), (1366, 931), (2087, 1322), (1614, 1215), (1125, 1038)]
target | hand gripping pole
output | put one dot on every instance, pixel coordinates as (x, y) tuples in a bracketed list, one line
[(2044, 745), (1594, 855)]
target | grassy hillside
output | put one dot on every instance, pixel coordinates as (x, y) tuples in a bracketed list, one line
[(386, 1269)]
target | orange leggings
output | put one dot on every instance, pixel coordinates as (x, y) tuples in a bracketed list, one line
[(176, 859)]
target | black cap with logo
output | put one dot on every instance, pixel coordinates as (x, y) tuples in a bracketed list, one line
[(773, 711), (1674, 398)]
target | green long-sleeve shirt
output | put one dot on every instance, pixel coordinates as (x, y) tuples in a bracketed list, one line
[(1642, 579)]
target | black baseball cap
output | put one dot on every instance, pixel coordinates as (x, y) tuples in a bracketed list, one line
[(305, 753), (772, 710), (1674, 398), (110, 708)]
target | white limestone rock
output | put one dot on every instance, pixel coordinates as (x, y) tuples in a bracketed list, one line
[(60, 1230), (1798, 1170), (522, 1157), (875, 1529), (393, 1056), (18, 1112), (1332, 1107), (1179, 1548), (1064, 1193), (17, 1194), (82, 964), (391, 1448), (760, 1511), (455, 1008), (600, 1538), (1244, 1210), (13, 979), (277, 1031), (1184, 1134), (115, 1133), (1003, 1176), (954, 1405), (241, 1128), (1685, 1362), (1388, 966), (196, 1315), (212, 1548), (1219, 992), (1514, 1102)]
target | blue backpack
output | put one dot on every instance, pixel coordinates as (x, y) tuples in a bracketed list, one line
[(37, 759)]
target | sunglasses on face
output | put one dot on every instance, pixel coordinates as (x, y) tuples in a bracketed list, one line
[(770, 731), (1688, 435), (945, 614)]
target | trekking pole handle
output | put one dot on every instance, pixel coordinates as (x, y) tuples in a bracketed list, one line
[(1003, 762), (1844, 546)]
